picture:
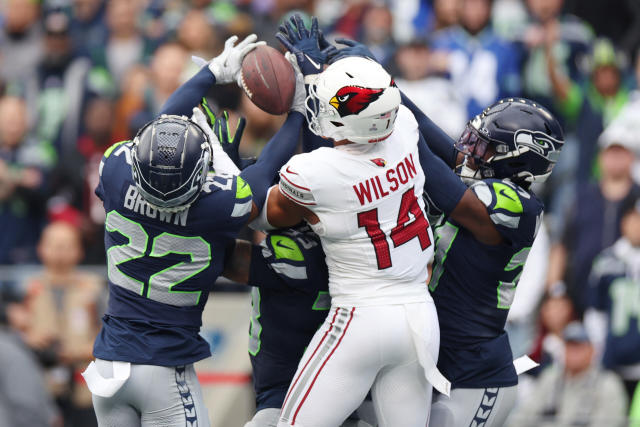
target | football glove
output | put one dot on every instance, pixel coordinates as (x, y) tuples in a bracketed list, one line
[(231, 144), (220, 161), (300, 95), (310, 47), (226, 66)]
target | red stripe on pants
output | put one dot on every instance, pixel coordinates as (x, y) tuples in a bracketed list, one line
[(344, 332), (293, 386)]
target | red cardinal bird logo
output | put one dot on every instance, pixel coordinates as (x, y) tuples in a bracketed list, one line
[(353, 99), (379, 162)]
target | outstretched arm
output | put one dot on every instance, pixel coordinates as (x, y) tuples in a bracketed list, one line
[(452, 197), (224, 68), (437, 139)]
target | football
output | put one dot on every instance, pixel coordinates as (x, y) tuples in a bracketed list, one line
[(268, 79)]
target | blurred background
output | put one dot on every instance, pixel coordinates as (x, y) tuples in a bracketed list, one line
[(78, 75)]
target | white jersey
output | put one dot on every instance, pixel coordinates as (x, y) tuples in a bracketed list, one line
[(373, 225)]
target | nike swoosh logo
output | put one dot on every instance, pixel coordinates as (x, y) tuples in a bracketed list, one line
[(502, 193), (280, 245), (290, 171), (314, 63)]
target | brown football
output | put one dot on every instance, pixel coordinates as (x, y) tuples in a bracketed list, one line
[(268, 79)]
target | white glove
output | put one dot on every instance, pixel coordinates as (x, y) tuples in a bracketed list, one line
[(300, 95), (226, 66), (220, 160)]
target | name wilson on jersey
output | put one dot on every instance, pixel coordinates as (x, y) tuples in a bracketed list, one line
[(379, 186)]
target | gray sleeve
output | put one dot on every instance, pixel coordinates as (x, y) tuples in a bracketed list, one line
[(610, 408), (22, 388)]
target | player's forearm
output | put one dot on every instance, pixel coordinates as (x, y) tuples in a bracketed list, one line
[(442, 185), (237, 263), (275, 154), (436, 138), (187, 96), (311, 141)]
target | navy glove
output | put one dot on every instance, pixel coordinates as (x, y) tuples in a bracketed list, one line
[(310, 47), (353, 48), (231, 144)]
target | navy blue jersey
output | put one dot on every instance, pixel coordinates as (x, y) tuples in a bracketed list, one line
[(161, 265), (290, 293), (473, 286), (614, 291)]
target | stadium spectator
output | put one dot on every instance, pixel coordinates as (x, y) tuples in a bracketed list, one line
[(614, 299), (24, 401), (591, 107), (445, 14), (125, 46), (565, 38), (58, 89), (576, 392), (556, 312), (23, 163), (593, 221), (88, 28), (20, 39), (63, 307), (421, 77), (483, 66)]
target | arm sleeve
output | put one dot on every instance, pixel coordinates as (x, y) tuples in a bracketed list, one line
[(311, 141), (436, 138), (187, 96), (443, 187), (278, 150)]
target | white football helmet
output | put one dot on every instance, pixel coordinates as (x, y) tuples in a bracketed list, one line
[(353, 99)]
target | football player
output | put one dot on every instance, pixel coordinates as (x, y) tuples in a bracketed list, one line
[(363, 198), (502, 151), (171, 214)]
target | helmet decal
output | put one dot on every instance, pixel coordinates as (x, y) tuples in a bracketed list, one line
[(353, 99), (539, 143)]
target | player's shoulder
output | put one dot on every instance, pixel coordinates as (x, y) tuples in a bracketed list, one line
[(516, 212), (504, 196), (226, 196), (299, 175)]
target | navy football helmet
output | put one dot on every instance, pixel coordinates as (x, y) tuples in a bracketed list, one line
[(524, 138), (171, 157)]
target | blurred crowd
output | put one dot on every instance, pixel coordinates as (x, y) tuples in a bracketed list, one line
[(79, 75)]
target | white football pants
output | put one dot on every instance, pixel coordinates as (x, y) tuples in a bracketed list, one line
[(358, 349)]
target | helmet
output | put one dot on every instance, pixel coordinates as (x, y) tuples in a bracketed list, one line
[(170, 159), (524, 135), (353, 99)]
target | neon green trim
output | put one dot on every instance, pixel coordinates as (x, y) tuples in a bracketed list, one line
[(207, 110), (254, 321), (438, 268), (109, 150), (507, 198), (190, 254), (242, 189), (286, 248), (316, 306), (111, 229), (634, 411)]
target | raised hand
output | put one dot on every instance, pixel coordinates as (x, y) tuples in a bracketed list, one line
[(226, 66), (230, 144), (310, 47)]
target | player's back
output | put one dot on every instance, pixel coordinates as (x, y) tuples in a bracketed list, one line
[(372, 225), (161, 265), (473, 285)]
